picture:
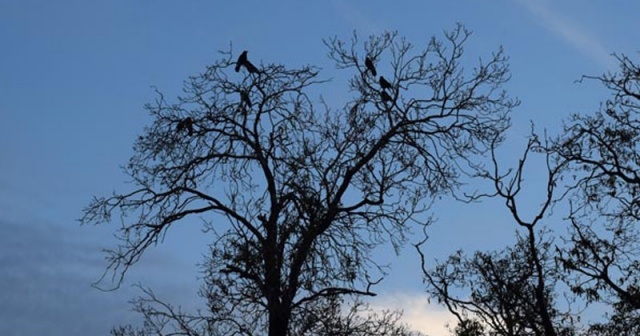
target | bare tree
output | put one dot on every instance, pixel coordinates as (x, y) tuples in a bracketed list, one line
[(297, 193)]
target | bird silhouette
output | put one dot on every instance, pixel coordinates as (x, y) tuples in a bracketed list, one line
[(369, 64), (241, 60), (384, 84), (185, 124), (244, 97), (353, 112), (385, 96), (244, 61), (354, 108), (250, 67)]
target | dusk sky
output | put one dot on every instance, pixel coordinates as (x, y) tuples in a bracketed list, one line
[(74, 76)]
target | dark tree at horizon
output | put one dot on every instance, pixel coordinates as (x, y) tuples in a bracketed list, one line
[(296, 192)]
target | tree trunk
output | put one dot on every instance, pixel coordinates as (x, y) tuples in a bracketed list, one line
[(279, 321)]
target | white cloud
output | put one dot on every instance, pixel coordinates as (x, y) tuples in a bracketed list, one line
[(570, 31), (421, 315)]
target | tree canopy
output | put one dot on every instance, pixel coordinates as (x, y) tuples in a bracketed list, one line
[(295, 191)]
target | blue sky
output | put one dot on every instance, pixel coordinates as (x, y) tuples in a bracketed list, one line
[(75, 74)]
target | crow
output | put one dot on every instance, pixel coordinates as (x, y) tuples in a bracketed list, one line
[(241, 60), (353, 112), (185, 124), (385, 96), (384, 84), (250, 67), (244, 98), (354, 109), (244, 61), (369, 64)]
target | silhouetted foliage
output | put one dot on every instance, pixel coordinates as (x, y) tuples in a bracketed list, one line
[(593, 167), (503, 291), (602, 156), (469, 327), (623, 321), (511, 292), (295, 193), (328, 318), (604, 166)]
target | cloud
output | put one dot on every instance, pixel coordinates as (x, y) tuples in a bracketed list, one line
[(570, 31), (421, 315), (46, 271), (45, 279)]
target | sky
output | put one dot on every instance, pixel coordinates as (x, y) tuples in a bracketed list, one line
[(74, 76)]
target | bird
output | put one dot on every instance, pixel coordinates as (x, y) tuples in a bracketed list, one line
[(369, 64), (244, 61), (353, 112), (185, 124), (385, 96), (354, 108), (244, 97), (241, 60), (250, 67), (384, 84)]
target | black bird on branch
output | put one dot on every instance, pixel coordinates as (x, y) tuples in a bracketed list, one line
[(354, 108), (185, 124), (353, 113), (243, 61), (244, 98), (385, 96), (384, 84), (369, 64)]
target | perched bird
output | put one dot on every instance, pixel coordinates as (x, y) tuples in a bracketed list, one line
[(369, 64), (241, 60), (185, 124), (385, 96), (244, 61), (384, 84), (250, 67), (180, 126), (354, 108), (353, 112), (244, 98)]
